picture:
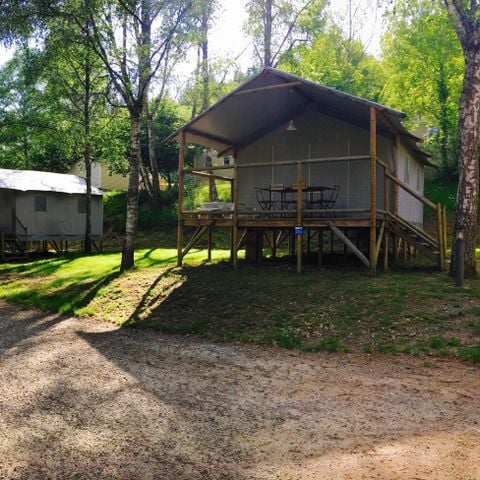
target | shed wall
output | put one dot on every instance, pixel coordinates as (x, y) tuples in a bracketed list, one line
[(62, 219)]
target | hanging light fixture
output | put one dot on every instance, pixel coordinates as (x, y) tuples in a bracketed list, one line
[(291, 127)]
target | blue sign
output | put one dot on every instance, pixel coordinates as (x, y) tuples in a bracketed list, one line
[(298, 231)]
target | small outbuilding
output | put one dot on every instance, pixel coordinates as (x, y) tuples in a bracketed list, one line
[(310, 163), (45, 207)]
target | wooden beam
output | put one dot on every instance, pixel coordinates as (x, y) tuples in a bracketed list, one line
[(379, 240), (205, 174), (235, 217), (194, 240), (440, 238), (268, 88), (412, 192), (197, 170), (181, 180), (445, 231), (299, 238), (373, 190), (349, 244), (320, 248), (385, 246), (211, 187)]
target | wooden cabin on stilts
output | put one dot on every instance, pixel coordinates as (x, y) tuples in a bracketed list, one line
[(312, 166)]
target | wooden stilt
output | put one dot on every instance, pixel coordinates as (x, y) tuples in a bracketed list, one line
[(235, 217), (299, 217), (320, 248), (373, 190), (181, 180), (274, 244), (385, 247)]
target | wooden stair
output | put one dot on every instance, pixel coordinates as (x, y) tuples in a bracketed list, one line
[(15, 247), (416, 237)]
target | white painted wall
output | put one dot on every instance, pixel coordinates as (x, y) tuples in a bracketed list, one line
[(411, 172), (62, 220)]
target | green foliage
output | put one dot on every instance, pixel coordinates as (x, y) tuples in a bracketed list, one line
[(34, 133), (423, 64), (169, 118), (150, 217), (340, 63)]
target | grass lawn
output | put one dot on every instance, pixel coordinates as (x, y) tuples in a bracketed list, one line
[(414, 311)]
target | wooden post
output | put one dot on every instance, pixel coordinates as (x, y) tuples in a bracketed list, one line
[(181, 181), (373, 190), (387, 209), (2, 247), (445, 231), (320, 247), (299, 238), (235, 216), (440, 237), (274, 243), (210, 228), (396, 156)]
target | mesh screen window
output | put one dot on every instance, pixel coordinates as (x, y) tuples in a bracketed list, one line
[(40, 204)]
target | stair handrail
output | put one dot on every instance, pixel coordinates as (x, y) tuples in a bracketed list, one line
[(439, 210), (412, 192), (25, 231)]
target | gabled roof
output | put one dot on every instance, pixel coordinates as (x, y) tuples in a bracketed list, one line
[(35, 181), (271, 99)]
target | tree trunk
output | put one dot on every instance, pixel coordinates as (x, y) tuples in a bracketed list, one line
[(87, 158), (152, 156), (467, 193), (204, 64), (132, 194), (267, 34)]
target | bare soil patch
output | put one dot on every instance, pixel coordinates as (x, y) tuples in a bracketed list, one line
[(82, 399)]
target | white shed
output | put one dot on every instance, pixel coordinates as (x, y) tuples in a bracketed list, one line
[(39, 206)]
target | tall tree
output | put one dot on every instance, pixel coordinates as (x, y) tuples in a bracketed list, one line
[(122, 34), (276, 26), (34, 134), (423, 65), (78, 77), (465, 16), (338, 62)]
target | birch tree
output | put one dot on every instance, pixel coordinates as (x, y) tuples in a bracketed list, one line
[(276, 26), (122, 34), (465, 15)]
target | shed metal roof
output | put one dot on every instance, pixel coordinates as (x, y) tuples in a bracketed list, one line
[(35, 181), (271, 99)]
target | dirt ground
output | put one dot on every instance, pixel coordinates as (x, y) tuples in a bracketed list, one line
[(82, 399)]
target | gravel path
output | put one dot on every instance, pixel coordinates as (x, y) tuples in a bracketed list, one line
[(81, 399)]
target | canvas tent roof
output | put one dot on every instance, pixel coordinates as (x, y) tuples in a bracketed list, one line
[(32, 180), (271, 99)]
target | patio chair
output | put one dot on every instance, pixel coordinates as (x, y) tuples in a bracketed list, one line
[(322, 199), (270, 197), (330, 197)]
